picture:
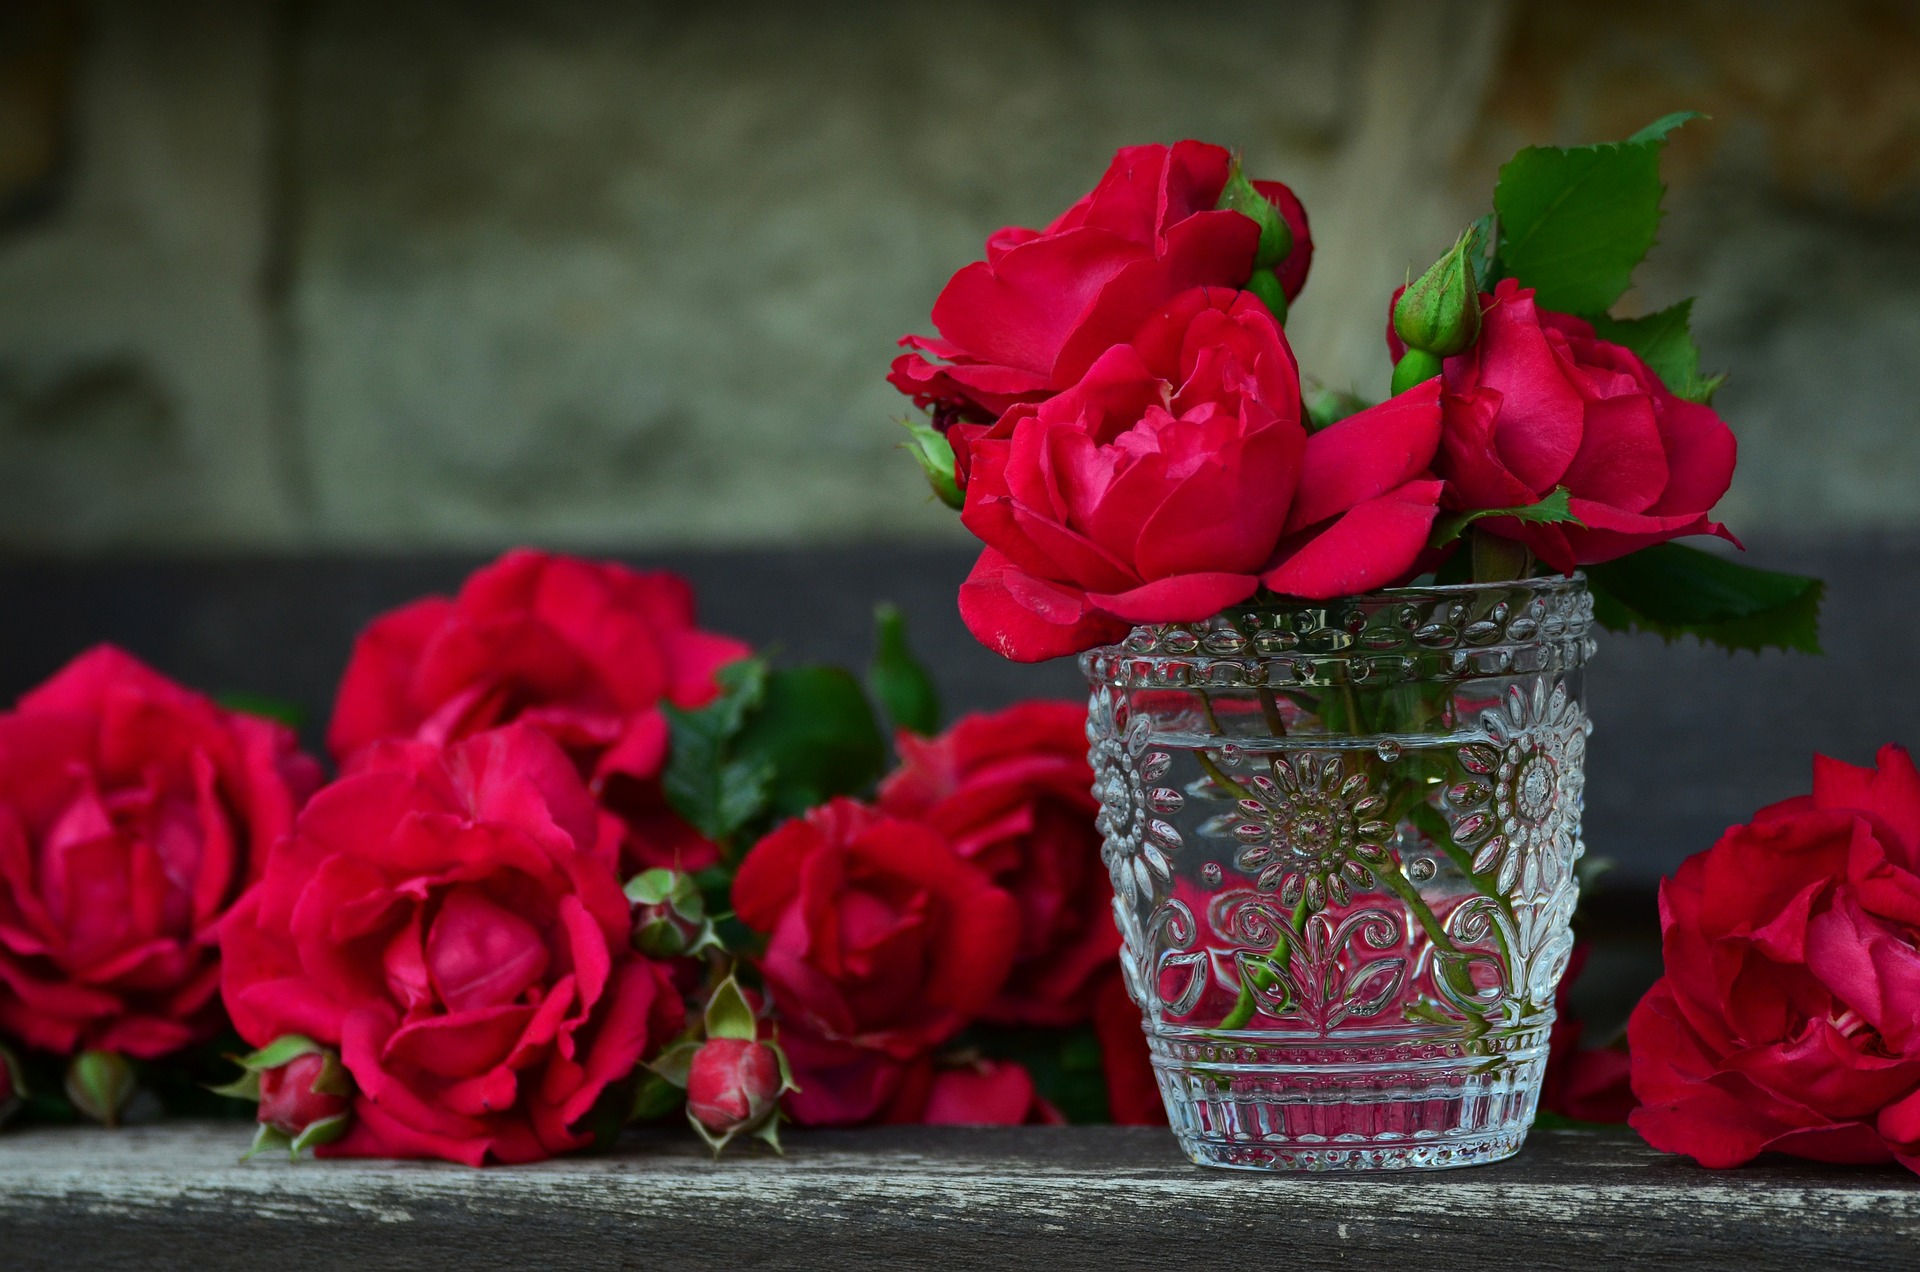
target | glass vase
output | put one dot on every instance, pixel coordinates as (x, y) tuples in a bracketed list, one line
[(1342, 839)]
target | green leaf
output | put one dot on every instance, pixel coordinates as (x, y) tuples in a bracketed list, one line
[(291, 714), (728, 1015), (713, 790), (898, 679), (814, 737), (1665, 343), (654, 1097), (1486, 260), (1575, 222), (1675, 591), (1656, 132), (1554, 508)]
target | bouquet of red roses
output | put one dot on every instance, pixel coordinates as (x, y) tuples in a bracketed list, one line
[(1115, 411)]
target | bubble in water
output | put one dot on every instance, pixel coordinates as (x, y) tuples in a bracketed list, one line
[(1388, 750), (1231, 756), (1210, 873), (1422, 869)]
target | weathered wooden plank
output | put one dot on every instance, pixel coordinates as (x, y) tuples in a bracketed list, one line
[(1106, 1198)]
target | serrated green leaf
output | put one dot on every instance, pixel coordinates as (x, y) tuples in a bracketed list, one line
[(1575, 222), (1553, 509), (1674, 591), (1657, 131), (814, 737), (898, 680), (714, 791), (1665, 343)]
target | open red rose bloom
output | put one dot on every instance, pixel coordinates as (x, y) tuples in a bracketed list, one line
[(1176, 478), (1541, 402), (585, 651), (133, 812), (450, 920), (882, 944), (1789, 1016)]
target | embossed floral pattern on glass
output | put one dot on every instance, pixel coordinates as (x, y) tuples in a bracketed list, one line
[(1342, 838)]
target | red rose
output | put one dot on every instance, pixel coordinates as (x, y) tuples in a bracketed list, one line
[(1541, 402), (733, 1085), (446, 919), (1030, 319), (1789, 1016), (1012, 793), (982, 1092), (883, 943), (1176, 477), (586, 651), (1133, 1095), (132, 813)]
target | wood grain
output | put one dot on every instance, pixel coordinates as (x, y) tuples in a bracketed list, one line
[(1106, 1198)]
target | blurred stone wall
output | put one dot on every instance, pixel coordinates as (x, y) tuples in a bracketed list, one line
[(338, 273)]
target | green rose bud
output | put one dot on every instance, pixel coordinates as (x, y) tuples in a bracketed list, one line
[(1439, 312), (669, 915), (931, 450), (1276, 237), (101, 1084)]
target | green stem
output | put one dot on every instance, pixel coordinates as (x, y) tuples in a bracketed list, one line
[(1270, 707), (1283, 950)]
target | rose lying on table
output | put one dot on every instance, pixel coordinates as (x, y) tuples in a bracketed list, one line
[(1789, 1017)]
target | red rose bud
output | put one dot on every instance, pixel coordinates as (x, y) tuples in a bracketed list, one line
[(734, 1081), (1276, 236), (100, 1084), (733, 1087), (669, 915), (308, 1090), (13, 1088), (303, 1092), (1439, 312)]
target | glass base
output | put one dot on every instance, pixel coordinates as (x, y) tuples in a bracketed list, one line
[(1351, 1117)]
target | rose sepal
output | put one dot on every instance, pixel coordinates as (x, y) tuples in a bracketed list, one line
[(101, 1084), (282, 1050)]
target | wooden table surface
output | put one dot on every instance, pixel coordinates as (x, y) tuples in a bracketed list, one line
[(174, 1196)]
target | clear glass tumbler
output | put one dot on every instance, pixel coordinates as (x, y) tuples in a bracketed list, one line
[(1342, 837)]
